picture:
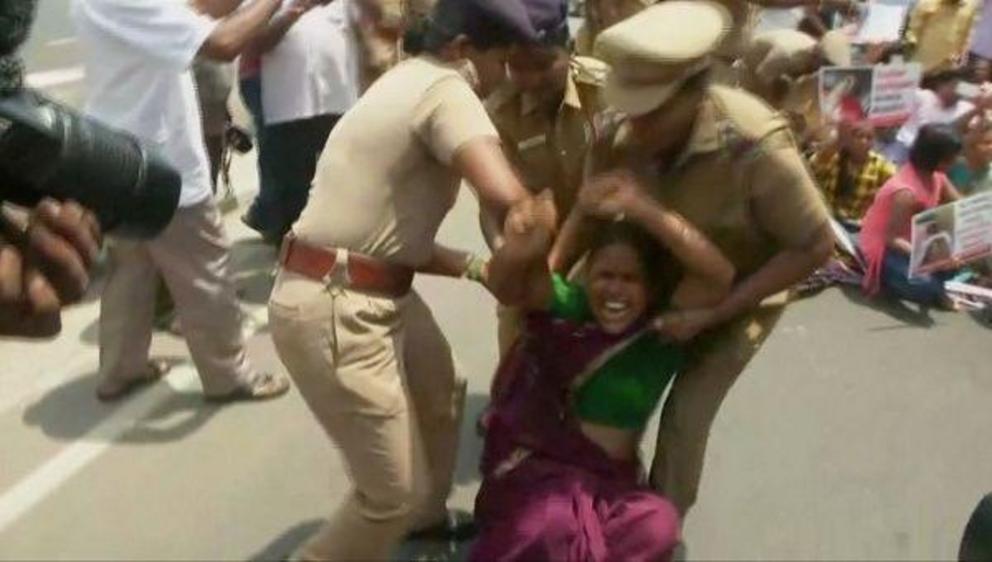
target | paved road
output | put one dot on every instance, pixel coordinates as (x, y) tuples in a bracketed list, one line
[(859, 432)]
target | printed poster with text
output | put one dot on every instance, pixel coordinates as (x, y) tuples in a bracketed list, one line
[(959, 232), (882, 94)]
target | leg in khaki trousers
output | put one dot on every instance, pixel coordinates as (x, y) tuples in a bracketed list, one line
[(347, 353), (438, 394), (192, 256), (716, 360)]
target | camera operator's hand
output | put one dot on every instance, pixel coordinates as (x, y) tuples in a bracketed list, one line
[(44, 266)]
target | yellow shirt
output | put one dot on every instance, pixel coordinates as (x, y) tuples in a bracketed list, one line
[(384, 182), (549, 151), (740, 179), (941, 30)]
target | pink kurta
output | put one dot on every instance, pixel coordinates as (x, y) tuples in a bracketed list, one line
[(876, 221)]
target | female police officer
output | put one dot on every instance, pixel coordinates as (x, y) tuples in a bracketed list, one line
[(361, 346)]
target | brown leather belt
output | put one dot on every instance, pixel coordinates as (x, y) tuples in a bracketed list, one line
[(360, 273)]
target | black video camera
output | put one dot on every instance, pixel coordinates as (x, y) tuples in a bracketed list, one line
[(48, 150)]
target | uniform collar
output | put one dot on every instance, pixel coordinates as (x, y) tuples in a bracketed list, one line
[(529, 104), (705, 136)]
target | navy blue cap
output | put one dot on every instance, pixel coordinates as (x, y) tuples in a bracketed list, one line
[(549, 18), (499, 21)]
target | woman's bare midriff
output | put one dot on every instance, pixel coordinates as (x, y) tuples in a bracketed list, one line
[(620, 444)]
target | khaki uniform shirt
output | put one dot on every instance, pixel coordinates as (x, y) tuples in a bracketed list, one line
[(549, 151), (941, 29), (783, 53), (384, 182), (740, 179)]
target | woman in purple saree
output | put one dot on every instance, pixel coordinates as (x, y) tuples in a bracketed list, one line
[(562, 479)]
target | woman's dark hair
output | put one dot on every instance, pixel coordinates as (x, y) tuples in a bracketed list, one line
[(935, 144), (935, 80), (654, 258), (451, 18)]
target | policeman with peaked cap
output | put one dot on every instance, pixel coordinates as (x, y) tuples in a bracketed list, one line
[(782, 67), (728, 164), (545, 115), (367, 355)]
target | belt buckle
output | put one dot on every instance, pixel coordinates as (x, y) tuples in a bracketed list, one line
[(339, 276)]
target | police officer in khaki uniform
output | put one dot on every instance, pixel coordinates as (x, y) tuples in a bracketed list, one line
[(728, 164), (546, 118), (782, 67), (367, 356)]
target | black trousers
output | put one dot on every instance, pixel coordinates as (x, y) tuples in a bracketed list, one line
[(291, 151)]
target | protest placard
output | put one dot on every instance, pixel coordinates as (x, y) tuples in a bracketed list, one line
[(959, 232), (884, 95), (882, 23)]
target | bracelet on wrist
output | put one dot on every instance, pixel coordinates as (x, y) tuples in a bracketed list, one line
[(475, 268)]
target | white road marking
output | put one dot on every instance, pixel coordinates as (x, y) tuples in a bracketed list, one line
[(40, 484), (26, 494), (255, 318), (55, 78), (64, 42)]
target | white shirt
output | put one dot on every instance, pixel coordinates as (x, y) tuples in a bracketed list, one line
[(314, 69), (138, 55), (928, 109)]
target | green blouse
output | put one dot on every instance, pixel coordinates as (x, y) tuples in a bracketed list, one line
[(625, 390)]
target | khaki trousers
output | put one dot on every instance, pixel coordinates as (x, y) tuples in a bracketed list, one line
[(716, 360), (192, 256), (379, 376)]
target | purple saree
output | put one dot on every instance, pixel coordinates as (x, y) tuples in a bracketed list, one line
[(549, 493)]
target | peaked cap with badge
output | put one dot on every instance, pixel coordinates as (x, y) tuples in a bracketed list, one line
[(653, 53)]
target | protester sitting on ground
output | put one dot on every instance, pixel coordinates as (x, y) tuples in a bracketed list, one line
[(571, 400), (938, 101), (886, 231), (850, 173), (972, 173)]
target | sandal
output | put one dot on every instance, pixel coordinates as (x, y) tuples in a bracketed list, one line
[(457, 526), (111, 390), (265, 386)]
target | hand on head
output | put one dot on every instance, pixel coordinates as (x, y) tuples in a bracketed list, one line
[(612, 195), (44, 266)]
